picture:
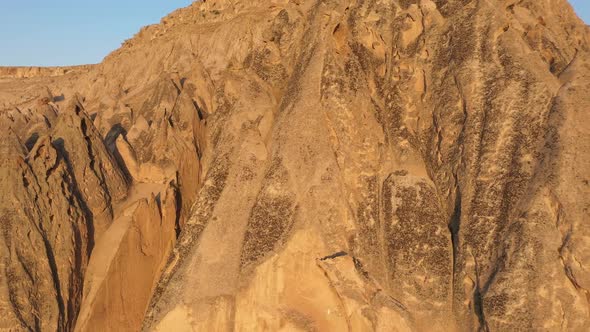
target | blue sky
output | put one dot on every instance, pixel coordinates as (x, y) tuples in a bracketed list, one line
[(582, 7), (69, 32)]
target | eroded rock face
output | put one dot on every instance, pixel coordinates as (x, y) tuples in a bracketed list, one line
[(127, 264), (99, 179), (418, 248), (307, 165), (45, 238)]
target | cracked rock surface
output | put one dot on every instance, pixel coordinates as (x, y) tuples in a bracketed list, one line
[(305, 165)]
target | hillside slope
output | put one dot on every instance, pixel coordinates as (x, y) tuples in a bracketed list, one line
[(362, 165)]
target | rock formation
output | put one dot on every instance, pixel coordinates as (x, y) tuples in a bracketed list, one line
[(361, 165)]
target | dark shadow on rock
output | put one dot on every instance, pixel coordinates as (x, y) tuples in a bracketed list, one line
[(111, 144), (59, 98), (335, 255), (31, 141)]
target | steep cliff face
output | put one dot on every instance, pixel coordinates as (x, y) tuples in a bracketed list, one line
[(359, 165)]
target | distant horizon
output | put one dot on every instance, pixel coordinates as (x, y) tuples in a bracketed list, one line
[(69, 33)]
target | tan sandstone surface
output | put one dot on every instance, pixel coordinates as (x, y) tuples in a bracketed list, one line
[(305, 165)]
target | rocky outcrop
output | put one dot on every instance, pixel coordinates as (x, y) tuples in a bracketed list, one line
[(439, 90), (109, 160), (127, 264), (307, 165), (98, 177), (46, 238)]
